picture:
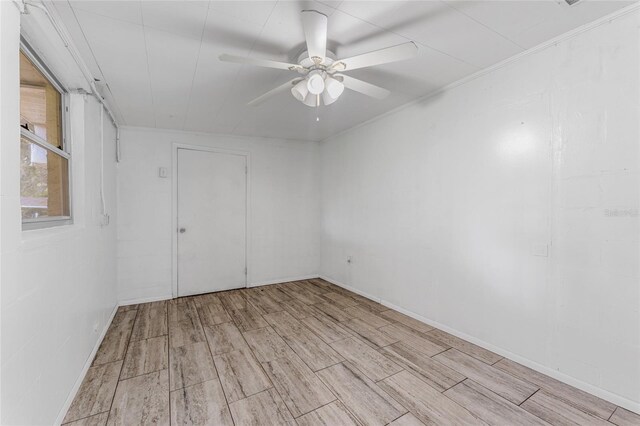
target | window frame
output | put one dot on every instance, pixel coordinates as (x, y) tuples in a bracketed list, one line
[(65, 152)]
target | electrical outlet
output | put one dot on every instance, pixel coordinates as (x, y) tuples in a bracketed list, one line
[(349, 259), (162, 172), (95, 327), (104, 220)]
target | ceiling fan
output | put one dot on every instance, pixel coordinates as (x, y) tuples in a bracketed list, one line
[(321, 74)]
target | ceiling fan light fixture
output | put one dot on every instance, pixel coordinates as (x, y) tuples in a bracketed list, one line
[(310, 100), (315, 83), (327, 99), (300, 90), (333, 87)]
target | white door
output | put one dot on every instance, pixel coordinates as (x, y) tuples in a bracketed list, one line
[(212, 217)]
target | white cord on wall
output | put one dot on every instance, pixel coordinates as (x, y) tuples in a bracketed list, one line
[(104, 220)]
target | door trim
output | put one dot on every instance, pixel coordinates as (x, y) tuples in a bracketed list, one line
[(175, 146)]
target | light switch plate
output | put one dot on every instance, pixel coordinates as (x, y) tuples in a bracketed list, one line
[(162, 172)]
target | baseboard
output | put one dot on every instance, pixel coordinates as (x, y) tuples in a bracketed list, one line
[(143, 300), (282, 280), (249, 285), (83, 373), (572, 381)]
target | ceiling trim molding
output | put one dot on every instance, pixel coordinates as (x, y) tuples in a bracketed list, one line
[(209, 134), (540, 47)]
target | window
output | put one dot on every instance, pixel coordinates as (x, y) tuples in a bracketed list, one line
[(44, 159)]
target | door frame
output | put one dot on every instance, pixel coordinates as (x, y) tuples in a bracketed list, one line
[(174, 207)]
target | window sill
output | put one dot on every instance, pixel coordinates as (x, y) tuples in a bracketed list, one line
[(32, 225)]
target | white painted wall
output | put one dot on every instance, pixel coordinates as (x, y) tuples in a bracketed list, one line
[(284, 217), (449, 205), (59, 283)]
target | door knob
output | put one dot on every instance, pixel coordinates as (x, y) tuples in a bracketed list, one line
[(183, 230)]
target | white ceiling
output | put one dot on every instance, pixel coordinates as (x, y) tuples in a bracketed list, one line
[(158, 60)]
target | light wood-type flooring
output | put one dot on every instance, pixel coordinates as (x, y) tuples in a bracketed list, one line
[(310, 353)]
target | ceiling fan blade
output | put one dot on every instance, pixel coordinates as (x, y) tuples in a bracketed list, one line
[(282, 88), (315, 31), (363, 87), (259, 62), (390, 54)]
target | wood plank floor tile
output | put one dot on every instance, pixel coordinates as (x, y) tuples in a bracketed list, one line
[(233, 299), (359, 298), (412, 331), (97, 420), (332, 312), (183, 311), (362, 397), (312, 287), (504, 384), (369, 334), (298, 290), (199, 353), (396, 316), (333, 414), (464, 346), (124, 315), (339, 300), (200, 404), (224, 338), (145, 356), (290, 289), (319, 287), (301, 390), (297, 309), (207, 299), (306, 296), (189, 365), (370, 305), (262, 303), (371, 362), (284, 323), (622, 417), (413, 340), (276, 294), (247, 319), (490, 407), (425, 402), (319, 282), (240, 374), (437, 375), (185, 333), (159, 304), (266, 344), (582, 400), (343, 291), (326, 328), (96, 391), (213, 314), (142, 400), (407, 420), (367, 316), (150, 323), (114, 344), (312, 350), (265, 408), (557, 412)]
